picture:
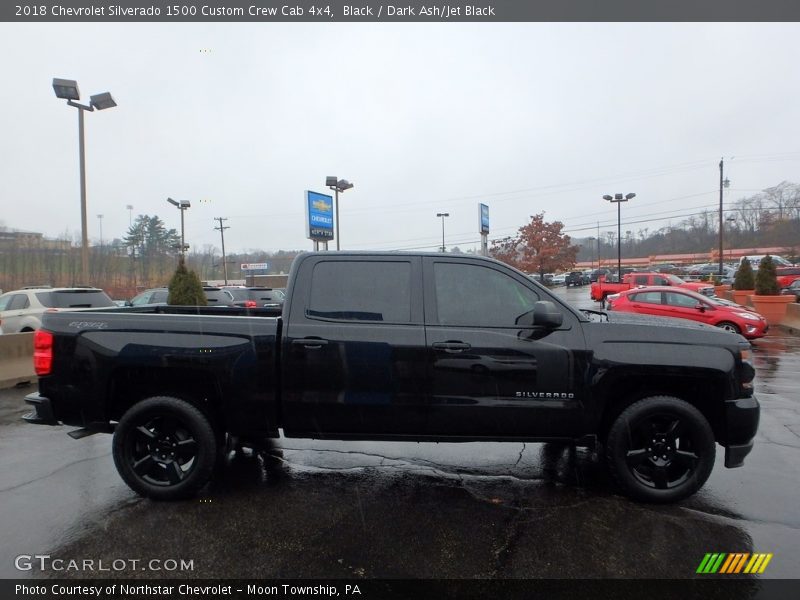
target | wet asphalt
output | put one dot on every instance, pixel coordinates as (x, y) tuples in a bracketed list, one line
[(402, 510)]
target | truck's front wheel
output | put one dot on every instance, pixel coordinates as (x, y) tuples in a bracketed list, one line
[(660, 449), (164, 448)]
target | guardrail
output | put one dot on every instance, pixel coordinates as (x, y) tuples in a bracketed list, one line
[(16, 359)]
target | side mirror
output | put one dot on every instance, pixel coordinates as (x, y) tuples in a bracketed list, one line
[(700, 307), (545, 314)]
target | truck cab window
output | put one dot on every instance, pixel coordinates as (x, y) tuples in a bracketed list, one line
[(478, 296), (361, 291)]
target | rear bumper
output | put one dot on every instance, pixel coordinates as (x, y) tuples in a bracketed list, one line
[(734, 455), (741, 420), (42, 413)]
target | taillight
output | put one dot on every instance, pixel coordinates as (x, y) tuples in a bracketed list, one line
[(42, 352), (250, 304)]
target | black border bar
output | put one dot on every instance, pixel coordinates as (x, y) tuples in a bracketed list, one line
[(705, 588), (405, 11)]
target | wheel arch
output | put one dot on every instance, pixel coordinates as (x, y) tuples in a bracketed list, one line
[(700, 389), (129, 386)]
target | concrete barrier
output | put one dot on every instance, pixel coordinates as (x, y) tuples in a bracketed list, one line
[(16, 359), (792, 319)]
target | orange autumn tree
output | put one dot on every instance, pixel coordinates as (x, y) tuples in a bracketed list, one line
[(539, 247)]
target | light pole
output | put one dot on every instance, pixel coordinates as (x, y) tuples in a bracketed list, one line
[(723, 183), (67, 89), (337, 185), (619, 199), (182, 206), (443, 215), (100, 219)]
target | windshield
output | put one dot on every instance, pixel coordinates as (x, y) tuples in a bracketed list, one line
[(675, 280)]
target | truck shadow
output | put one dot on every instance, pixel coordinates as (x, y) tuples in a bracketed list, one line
[(551, 464)]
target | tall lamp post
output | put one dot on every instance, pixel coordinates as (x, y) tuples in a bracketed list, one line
[(182, 205), (443, 215), (619, 199), (337, 185), (67, 89)]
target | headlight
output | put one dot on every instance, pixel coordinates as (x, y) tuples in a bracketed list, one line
[(748, 316)]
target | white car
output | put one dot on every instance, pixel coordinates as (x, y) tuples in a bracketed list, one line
[(21, 310)]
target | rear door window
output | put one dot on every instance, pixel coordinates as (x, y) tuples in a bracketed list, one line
[(18, 302), (361, 291), (647, 297)]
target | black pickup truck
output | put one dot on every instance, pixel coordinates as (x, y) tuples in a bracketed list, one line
[(395, 346)]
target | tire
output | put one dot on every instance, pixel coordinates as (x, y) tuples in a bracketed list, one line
[(165, 448), (660, 449), (728, 326)]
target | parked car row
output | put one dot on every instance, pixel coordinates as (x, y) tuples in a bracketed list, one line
[(21, 310), (248, 297)]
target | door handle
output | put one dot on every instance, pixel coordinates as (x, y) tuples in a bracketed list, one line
[(451, 347), (310, 343)]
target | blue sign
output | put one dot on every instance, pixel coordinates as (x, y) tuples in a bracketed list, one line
[(319, 216), (484, 209)]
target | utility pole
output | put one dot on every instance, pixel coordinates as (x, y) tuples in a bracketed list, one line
[(721, 162), (221, 230)]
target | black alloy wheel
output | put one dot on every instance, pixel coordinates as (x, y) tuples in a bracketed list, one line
[(661, 449), (164, 448)]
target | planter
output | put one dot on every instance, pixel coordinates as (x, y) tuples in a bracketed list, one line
[(772, 308), (740, 296)]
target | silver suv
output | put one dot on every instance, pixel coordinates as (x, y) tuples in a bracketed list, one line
[(21, 310)]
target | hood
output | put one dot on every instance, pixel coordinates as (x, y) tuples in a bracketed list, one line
[(636, 328)]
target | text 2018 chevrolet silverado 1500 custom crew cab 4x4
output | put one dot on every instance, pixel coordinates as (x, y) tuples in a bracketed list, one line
[(398, 346)]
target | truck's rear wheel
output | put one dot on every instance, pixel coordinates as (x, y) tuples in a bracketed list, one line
[(164, 448), (660, 449)]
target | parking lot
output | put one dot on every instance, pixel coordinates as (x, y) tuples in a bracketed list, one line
[(400, 510)]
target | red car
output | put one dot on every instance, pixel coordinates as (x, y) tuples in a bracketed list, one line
[(685, 304)]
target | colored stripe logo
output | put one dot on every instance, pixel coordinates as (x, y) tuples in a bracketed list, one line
[(734, 563)]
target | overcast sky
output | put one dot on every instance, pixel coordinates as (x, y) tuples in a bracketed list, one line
[(240, 119)]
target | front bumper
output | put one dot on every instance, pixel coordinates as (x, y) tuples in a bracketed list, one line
[(741, 424), (42, 413)]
